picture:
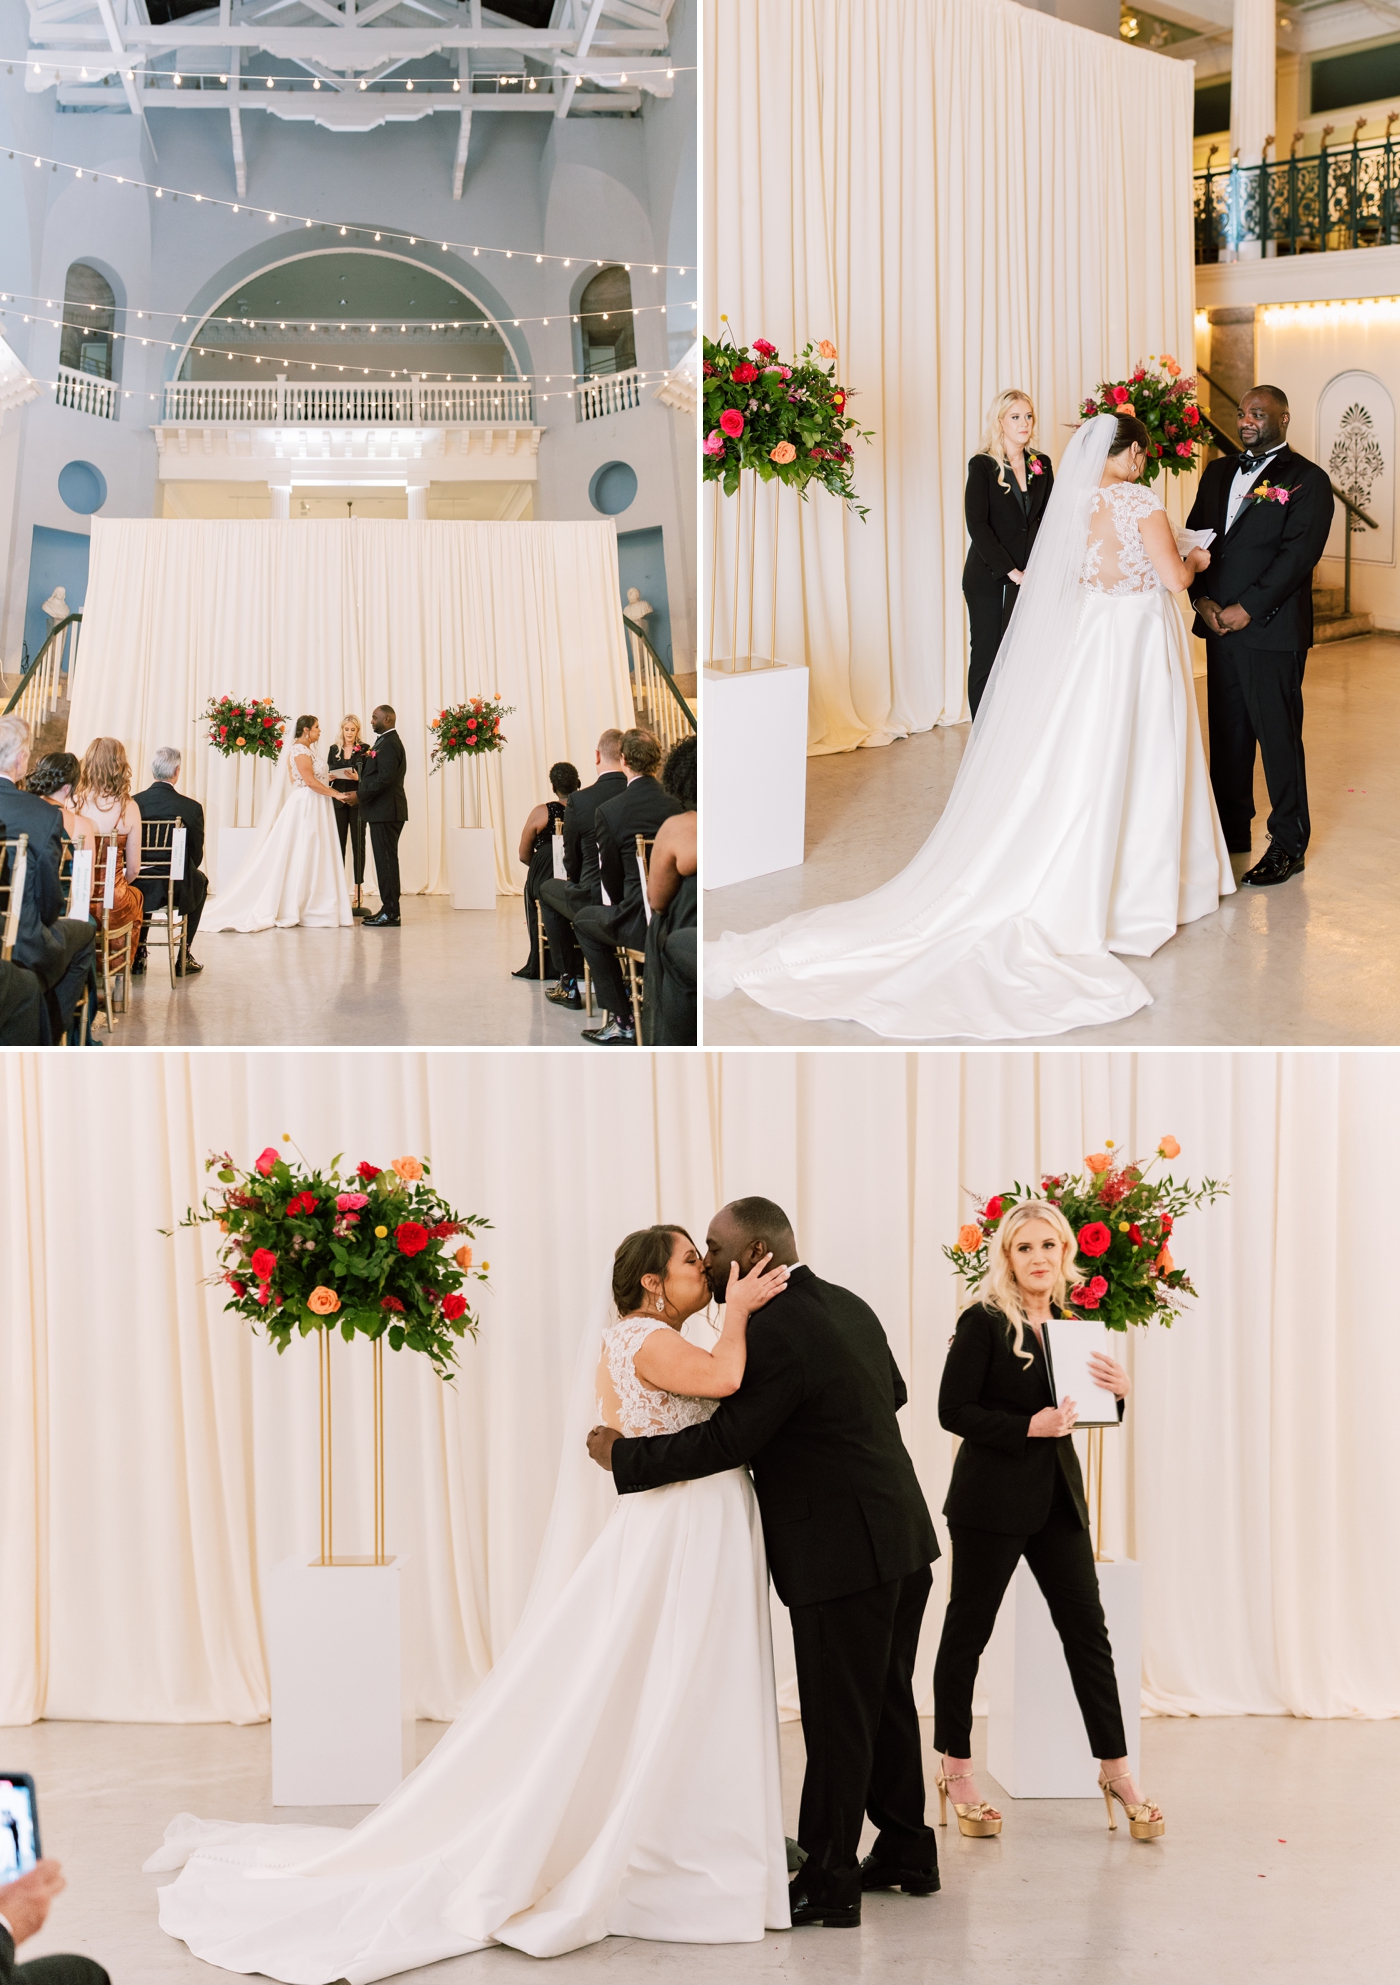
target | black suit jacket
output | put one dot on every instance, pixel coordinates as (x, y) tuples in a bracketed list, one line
[(381, 780), (56, 1970), (580, 839), (27, 813), (1002, 1479), (1265, 562), (162, 801), (1002, 533), (815, 1420), (640, 809)]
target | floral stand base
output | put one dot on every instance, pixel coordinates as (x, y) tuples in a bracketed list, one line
[(471, 867)]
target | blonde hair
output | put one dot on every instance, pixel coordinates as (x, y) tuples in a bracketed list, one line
[(1000, 1290), (993, 441), (359, 730), (105, 773)]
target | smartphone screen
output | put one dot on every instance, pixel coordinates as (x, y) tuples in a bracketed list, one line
[(19, 1826)]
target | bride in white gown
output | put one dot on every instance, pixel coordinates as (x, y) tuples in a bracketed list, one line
[(617, 1773), (1081, 823), (294, 873)]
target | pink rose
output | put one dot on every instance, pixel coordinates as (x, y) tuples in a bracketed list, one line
[(732, 421), (764, 349), (1183, 447), (350, 1202), (714, 442), (266, 1161), (1120, 394)]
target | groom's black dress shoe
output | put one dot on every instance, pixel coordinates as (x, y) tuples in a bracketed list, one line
[(889, 1875), (382, 922), (1276, 865), (831, 1901)]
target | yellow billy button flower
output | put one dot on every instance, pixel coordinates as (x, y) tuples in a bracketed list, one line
[(485, 1267), (1122, 1226), (380, 1233)]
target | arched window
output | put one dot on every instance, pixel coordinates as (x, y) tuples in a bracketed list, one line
[(605, 323), (89, 322)]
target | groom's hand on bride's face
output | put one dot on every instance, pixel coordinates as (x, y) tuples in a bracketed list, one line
[(600, 1446)]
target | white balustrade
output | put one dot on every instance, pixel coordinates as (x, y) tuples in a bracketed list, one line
[(653, 699), (611, 393), (86, 393), (50, 678), (387, 403)]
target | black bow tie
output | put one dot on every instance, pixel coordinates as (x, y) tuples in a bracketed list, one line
[(1251, 464)]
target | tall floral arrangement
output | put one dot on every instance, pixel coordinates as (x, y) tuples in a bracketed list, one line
[(378, 1252), (787, 420), (1164, 400), (469, 730), (1123, 1222), (243, 726)]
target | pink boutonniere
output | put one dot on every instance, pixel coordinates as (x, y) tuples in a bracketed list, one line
[(1264, 492), (1037, 466)]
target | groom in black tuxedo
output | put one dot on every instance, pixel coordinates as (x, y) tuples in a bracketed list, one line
[(1254, 608), (849, 1541), (383, 806)]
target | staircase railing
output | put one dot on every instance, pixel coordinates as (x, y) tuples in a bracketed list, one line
[(44, 683), (1228, 446), (657, 701), (609, 393), (86, 392)]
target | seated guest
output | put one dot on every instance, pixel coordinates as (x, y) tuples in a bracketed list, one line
[(560, 901), (57, 949), (103, 796), (601, 928), (537, 852), (53, 779), (668, 1010), (160, 801), (24, 1905)]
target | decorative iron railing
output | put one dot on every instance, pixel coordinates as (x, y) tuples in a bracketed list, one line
[(46, 681), (1347, 198), (86, 393), (611, 393), (407, 403), (658, 703)]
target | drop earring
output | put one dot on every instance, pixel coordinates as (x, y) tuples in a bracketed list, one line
[(659, 1304)]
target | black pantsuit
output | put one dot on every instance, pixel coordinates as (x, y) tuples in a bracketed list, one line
[(348, 822), (1255, 696), (348, 819), (1012, 1496), (1061, 1558), (1002, 524)]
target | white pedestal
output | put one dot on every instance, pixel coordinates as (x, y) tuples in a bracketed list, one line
[(755, 773), (234, 843), (1036, 1746), (471, 868), (342, 1711)]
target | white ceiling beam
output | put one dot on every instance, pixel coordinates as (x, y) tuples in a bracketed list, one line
[(367, 43), (585, 41), (114, 43), (459, 163), (421, 104), (240, 163)]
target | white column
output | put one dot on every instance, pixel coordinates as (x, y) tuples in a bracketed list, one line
[(1253, 89), (281, 494), (417, 503)]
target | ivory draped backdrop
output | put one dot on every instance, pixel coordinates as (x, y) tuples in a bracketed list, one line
[(962, 196), (329, 617), (156, 1460)]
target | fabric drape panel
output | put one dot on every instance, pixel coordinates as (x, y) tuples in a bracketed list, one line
[(962, 197), (329, 617), (156, 1460)]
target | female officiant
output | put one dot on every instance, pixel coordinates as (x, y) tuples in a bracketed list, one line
[(1008, 486), (1016, 1491), (344, 765)]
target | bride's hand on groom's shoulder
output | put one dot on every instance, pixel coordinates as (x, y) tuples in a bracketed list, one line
[(747, 1293)]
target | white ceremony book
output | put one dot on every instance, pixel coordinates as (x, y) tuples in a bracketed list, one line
[(1192, 540), (1073, 1341)]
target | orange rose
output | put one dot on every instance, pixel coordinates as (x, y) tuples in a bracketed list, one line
[(969, 1239), (826, 348), (1098, 1161), (223, 1226), (1169, 1148), (1164, 1263), (323, 1302), (408, 1168), (463, 1257), (783, 453)]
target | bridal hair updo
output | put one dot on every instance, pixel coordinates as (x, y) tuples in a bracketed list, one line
[(1000, 1291), (52, 774), (1129, 433), (105, 773), (647, 1252), (303, 726), (993, 442)]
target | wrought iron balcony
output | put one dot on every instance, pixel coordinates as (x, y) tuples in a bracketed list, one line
[(1345, 198)]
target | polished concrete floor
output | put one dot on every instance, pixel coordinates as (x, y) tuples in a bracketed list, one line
[(1278, 1864), (441, 980), (1313, 962)]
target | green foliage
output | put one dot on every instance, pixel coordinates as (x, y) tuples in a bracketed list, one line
[(797, 407), (1165, 402), (243, 727)]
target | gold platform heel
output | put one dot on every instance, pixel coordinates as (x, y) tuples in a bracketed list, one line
[(978, 1822), (1145, 1822)]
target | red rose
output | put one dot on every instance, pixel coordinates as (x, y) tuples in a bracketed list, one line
[(264, 1261), (1083, 1299), (238, 1288), (1139, 374), (1135, 1235), (223, 730), (266, 1160), (1098, 1287), (1190, 415), (453, 1307), (367, 1171), (411, 1238), (732, 421), (764, 349), (1120, 394), (391, 1303), (744, 373), (1166, 1225), (1094, 1239), (305, 1202), (992, 1209)]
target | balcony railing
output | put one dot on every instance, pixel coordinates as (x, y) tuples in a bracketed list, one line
[(1347, 198), (407, 403), (86, 392), (612, 393)]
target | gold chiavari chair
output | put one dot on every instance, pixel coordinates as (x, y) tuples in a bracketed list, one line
[(14, 869), (163, 861), (115, 949), (633, 962)]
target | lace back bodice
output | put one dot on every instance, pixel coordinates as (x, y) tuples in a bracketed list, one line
[(1115, 558), (627, 1402)]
